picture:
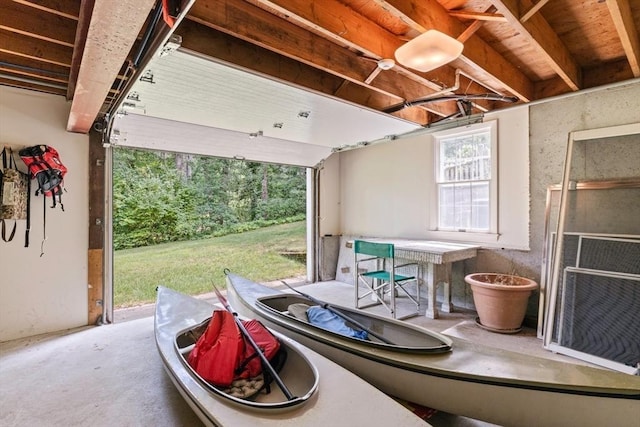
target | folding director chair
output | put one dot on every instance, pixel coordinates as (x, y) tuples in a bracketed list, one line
[(383, 279)]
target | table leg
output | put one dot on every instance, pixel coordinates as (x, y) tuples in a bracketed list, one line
[(447, 306), (432, 311)]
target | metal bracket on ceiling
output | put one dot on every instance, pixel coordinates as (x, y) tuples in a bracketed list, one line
[(147, 77), (174, 42)]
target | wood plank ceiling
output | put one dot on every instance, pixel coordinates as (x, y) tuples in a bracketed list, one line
[(89, 51)]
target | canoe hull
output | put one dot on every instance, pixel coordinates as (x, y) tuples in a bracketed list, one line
[(346, 397), (468, 380)]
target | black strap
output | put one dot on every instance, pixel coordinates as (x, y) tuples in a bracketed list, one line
[(53, 196), (44, 224), (4, 231), (4, 158), (12, 160), (26, 232)]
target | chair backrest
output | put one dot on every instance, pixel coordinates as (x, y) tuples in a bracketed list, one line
[(380, 250)]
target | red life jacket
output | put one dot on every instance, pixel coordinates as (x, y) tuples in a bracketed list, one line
[(222, 354), (45, 166)]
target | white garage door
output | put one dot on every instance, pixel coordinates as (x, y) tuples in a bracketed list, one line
[(186, 103)]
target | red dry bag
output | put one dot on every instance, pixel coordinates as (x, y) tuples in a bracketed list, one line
[(222, 355)]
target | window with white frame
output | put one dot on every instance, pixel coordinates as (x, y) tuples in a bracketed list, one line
[(466, 179)]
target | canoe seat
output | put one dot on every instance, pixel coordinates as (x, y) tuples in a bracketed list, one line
[(299, 311), (380, 278)]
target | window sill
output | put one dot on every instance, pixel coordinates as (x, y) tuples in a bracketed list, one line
[(488, 240)]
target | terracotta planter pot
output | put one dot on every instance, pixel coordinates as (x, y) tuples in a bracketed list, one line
[(500, 299)]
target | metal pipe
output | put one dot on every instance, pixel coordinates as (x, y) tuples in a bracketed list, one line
[(31, 81), (147, 34), (32, 69), (452, 97)]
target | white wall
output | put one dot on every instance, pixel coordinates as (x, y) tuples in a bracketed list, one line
[(383, 188), (329, 196), (387, 188), (48, 293)]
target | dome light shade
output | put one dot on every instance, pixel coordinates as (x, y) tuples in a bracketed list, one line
[(429, 51)]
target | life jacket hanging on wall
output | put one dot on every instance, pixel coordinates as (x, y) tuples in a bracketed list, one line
[(48, 170), (15, 191)]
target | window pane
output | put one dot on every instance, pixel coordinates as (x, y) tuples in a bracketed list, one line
[(464, 206), (464, 180), (480, 206), (447, 207), (465, 158)]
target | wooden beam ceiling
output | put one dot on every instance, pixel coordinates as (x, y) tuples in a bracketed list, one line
[(84, 19), (64, 8), (34, 49), (36, 23), (527, 48), (539, 33), (366, 43), (532, 10), (478, 59), (623, 20), (286, 38), (112, 32)]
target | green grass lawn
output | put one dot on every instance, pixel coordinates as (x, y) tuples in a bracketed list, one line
[(192, 266)]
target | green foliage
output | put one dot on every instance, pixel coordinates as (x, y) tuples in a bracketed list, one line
[(165, 197)]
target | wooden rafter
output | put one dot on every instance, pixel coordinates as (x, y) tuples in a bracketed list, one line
[(37, 23), (475, 26), (623, 20), (34, 49), (84, 19), (286, 38), (478, 59), (112, 32), (615, 71), (478, 16), (64, 8), (533, 10), (539, 33), (343, 25)]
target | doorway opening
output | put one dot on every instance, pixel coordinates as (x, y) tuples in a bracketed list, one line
[(179, 220)]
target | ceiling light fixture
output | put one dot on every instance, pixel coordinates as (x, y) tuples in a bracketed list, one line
[(429, 51), (386, 64)]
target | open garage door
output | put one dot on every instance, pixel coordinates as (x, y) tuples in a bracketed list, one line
[(227, 112)]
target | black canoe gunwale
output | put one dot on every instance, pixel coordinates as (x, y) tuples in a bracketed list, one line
[(180, 346), (444, 346)]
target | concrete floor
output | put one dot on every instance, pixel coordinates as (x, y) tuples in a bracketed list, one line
[(113, 376)]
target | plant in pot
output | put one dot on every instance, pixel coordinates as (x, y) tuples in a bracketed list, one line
[(500, 299)]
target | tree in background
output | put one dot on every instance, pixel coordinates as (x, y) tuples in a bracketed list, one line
[(161, 197)]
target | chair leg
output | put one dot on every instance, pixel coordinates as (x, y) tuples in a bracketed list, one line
[(392, 296)]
